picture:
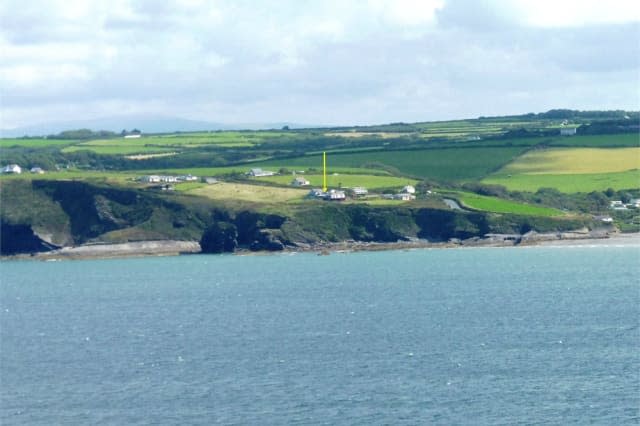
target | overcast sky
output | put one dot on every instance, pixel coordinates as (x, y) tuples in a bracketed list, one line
[(315, 62)]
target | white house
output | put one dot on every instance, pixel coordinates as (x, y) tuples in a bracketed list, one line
[(635, 202), (618, 205), (408, 190), (168, 179), (188, 178), (567, 131), (37, 170), (12, 168), (335, 195), (134, 136), (300, 181), (260, 173), (150, 179), (404, 196)]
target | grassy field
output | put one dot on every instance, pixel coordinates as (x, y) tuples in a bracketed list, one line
[(73, 175), (575, 160), (345, 180), (602, 141), (244, 168), (571, 170), (455, 164), (182, 141), (34, 143), (568, 183), (249, 193), (119, 149), (498, 205)]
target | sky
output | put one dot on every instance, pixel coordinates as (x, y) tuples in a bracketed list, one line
[(325, 62)]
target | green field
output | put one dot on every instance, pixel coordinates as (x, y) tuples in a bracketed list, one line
[(33, 143), (575, 161), (183, 141), (249, 193), (498, 205), (602, 141), (244, 168), (72, 175), (571, 170), (455, 164), (119, 149), (568, 183), (345, 180)]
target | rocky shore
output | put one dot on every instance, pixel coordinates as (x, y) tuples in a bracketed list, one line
[(173, 248)]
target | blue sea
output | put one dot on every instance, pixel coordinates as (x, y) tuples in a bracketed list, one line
[(480, 336)]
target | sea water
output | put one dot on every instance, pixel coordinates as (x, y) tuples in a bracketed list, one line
[(456, 336)]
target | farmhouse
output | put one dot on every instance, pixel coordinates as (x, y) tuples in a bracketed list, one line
[(150, 179), (618, 205), (567, 131), (300, 181), (187, 178), (135, 136), (404, 196), (260, 173), (12, 168), (36, 170), (408, 190), (335, 195)]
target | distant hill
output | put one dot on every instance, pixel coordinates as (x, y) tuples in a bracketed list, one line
[(146, 123)]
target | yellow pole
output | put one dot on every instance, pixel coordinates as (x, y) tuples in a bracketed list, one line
[(324, 172)]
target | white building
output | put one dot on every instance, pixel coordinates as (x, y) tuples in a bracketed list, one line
[(335, 195), (134, 136), (12, 168), (260, 173), (150, 179), (408, 190), (567, 131), (36, 170), (404, 196), (618, 205), (188, 178), (300, 181)]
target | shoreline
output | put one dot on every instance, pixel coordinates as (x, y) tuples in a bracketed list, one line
[(175, 248)]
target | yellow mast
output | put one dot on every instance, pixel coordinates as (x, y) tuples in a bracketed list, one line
[(324, 172)]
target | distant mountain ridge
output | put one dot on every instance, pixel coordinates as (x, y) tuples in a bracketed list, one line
[(147, 124), (164, 124)]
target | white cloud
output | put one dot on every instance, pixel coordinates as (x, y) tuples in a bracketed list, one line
[(318, 61), (575, 13)]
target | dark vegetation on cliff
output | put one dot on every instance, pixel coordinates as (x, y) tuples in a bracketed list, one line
[(41, 215)]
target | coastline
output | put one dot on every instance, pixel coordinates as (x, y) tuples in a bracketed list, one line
[(175, 248)]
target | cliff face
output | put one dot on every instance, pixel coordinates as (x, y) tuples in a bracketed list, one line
[(43, 215), (40, 215)]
